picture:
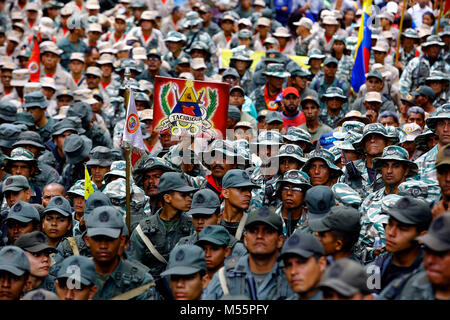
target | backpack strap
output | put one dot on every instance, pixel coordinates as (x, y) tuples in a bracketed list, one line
[(133, 293), (240, 228), (150, 245), (74, 246), (223, 281)]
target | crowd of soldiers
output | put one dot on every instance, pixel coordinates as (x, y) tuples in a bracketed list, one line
[(317, 191)]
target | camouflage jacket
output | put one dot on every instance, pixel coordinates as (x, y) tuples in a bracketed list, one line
[(302, 46), (320, 86), (345, 67), (163, 240), (302, 223), (418, 288), (427, 173), (326, 119)]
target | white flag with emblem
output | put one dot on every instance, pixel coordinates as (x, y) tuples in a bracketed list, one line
[(132, 133)]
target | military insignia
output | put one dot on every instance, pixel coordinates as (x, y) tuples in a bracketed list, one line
[(336, 271), (9, 254), (97, 203), (38, 296), (245, 175), (318, 153), (17, 207), (75, 262), (103, 217), (200, 199), (191, 113), (294, 240), (180, 255), (293, 175), (416, 191), (391, 151), (438, 224), (58, 201), (150, 161), (269, 135), (263, 212), (8, 181), (403, 203), (207, 230), (372, 127), (290, 149)]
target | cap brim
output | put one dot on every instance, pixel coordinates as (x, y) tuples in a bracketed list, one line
[(201, 211), (14, 270), (40, 247), (109, 232), (297, 251), (211, 240), (318, 225), (58, 210), (245, 184), (316, 216), (180, 270), (339, 286), (14, 189), (185, 189), (260, 220), (8, 118), (28, 142), (433, 243), (20, 218)]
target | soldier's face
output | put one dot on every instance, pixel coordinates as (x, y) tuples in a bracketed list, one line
[(437, 266), (12, 197), (379, 56), (393, 172), (437, 86), (261, 239), (51, 191), (37, 113), (17, 228), (55, 225), (64, 101), (292, 196), (92, 81), (104, 249), (291, 102), (328, 242), (330, 70), (78, 204), (335, 103), (214, 255), (50, 60), (399, 236), (76, 66), (39, 263), (375, 144), (409, 146), (300, 82), (181, 200), (65, 293), (238, 197), (98, 172), (6, 78), (443, 131), (288, 163), (303, 274), (237, 98), (374, 84), (319, 173), (11, 286), (220, 165), (433, 51), (202, 220), (443, 176), (417, 118), (151, 181), (388, 121), (186, 287), (275, 82), (21, 168), (311, 111)]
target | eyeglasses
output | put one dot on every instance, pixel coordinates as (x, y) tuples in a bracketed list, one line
[(153, 59), (293, 189)]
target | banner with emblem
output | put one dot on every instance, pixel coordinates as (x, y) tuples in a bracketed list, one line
[(33, 64), (190, 107)]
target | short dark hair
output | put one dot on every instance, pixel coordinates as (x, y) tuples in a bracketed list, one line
[(348, 239), (415, 109), (387, 114)]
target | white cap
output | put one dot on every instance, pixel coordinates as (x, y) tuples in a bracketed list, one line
[(412, 130), (382, 46), (47, 82), (281, 32), (198, 63), (92, 5), (95, 27), (30, 87), (245, 21), (387, 15), (20, 77), (94, 71), (263, 21), (139, 53), (13, 36), (330, 19), (373, 97), (260, 3), (77, 56), (186, 75), (304, 22)]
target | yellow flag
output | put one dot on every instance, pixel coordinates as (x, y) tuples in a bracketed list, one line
[(88, 188)]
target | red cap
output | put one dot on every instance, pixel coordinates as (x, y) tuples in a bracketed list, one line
[(289, 90)]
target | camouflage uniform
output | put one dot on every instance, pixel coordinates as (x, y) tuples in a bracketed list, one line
[(302, 46), (319, 85), (346, 196)]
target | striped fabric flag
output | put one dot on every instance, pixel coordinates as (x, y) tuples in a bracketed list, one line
[(88, 188), (363, 46)]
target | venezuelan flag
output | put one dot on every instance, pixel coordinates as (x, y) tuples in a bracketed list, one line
[(362, 53)]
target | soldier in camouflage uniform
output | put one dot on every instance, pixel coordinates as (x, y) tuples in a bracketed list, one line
[(363, 178), (395, 168), (199, 49), (105, 230), (174, 42), (409, 36), (305, 37), (76, 197), (346, 196), (321, 169), (292, 189), (345, 64), (240, 57), (438, 122), (334, 110), (155, 236), (155, 39), (439, 82), (418, 69)]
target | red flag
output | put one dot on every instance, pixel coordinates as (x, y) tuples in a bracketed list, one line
[(34, 62)]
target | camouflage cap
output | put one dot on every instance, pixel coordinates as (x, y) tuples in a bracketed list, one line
[(412, 131), (443, 156), (100, 156), (302, 244), (76, 148), (324, 155), (152, 163), (269, 137), (117, 169), (396, 153), (437, 238), (413, 188), (35, 99), (23, 212), (354, 116), (185, 260), (105, 221), (85, 266), (204, 201), (60, 205), (334, 92), (175, 36), (372, 128), (244, 33), (411, 211), (276, 70), (174, 181), (95, 200), (345, 276), (346, 196), (9, 133), (193, 18), (40, 294), (22, 154), (290, 151), (267, 216), (34, 242), (443, 112), (77, 188), (274, 116), (437, 75), (237, 178), (8, 111), (299, 72), (410, 33), (215, 234), (348, 126), (296, 134), (295, 177), (347, 143), (230, 72), (315, 54), (15, 183), (340, 218), (14, 260), (319, 200), (433, 40), (330, 60)]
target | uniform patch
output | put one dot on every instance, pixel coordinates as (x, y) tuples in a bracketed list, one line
[(200, 199), (245, 175), (207, 230), (438, 224), (38, 296), (290, 149), (180, 255), (416, 191), (9, 181), (335, 271), (58, 201), (17, 207), (293, 175), (264, 212), (40, 238), (103, 217), (403, 203), (294, 240)]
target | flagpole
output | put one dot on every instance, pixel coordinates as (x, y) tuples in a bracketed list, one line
[(127, 152), (400, 32), (440, 15)]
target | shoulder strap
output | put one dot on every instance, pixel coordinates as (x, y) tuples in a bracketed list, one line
[(133, 293), (74, 246), (150, 245), (240, 228), (223, 281)]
